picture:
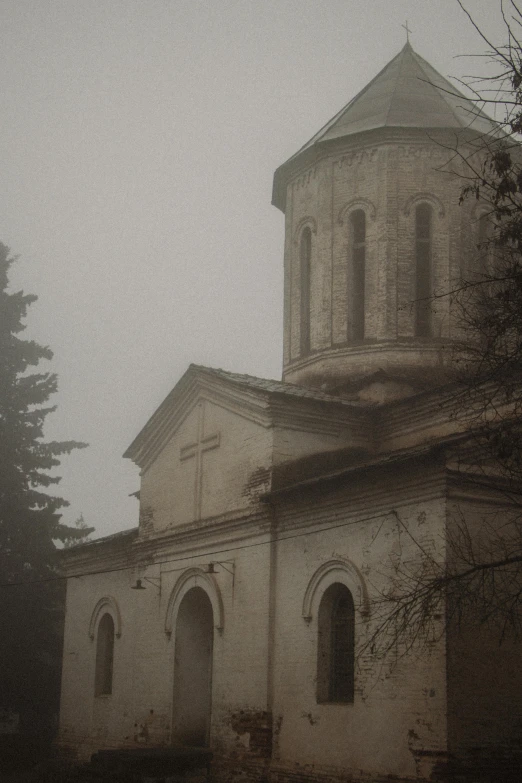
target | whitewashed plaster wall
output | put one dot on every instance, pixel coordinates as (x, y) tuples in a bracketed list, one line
[(139, 710), (87, 721), (180, 486), (399, 706)]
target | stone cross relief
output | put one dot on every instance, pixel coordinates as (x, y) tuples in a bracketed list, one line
[(196, 450)]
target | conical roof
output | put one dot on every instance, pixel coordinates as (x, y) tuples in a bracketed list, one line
[(407, 93)]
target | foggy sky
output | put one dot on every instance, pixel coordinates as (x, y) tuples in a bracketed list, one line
[(138, 141)]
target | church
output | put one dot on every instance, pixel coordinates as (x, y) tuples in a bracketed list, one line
[(242, 614)]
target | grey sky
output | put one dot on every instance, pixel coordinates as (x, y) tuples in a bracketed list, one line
[(138, 140)]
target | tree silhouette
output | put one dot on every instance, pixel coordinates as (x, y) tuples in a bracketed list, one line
[(31, 597)]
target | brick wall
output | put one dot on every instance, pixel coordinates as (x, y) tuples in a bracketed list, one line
[(386, 179)]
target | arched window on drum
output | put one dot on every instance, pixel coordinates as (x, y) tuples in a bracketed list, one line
[(305, 263), (423, 270), (357, 278)]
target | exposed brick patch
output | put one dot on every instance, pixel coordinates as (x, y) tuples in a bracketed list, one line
[(257, 483), (258, 725), (146, 520)]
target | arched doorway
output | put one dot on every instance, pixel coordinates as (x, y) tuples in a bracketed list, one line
[(193, 670)]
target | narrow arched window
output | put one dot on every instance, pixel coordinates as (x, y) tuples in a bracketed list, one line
[(336, 646), (483, 247), (423, 272), (104, 656), (305, 260), (358, 263)]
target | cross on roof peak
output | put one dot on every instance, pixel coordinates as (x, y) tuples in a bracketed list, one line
[(408, 31)]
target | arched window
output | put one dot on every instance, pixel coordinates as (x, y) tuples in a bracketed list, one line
[(336, 646), (423, 287), (104, 656), (483, 245), (305, 259), (358, 262)]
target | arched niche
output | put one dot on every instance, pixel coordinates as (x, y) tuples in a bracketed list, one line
[(195, 577), (105, 604), (367, 206), (303, 223), (429, 198), (341, 571)]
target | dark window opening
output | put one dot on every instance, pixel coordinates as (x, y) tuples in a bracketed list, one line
[(305, 258), (104, 656), (358, 253), (336, 646), (483, 244), (423, 287)]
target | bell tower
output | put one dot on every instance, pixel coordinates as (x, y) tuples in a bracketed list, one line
[(374, 234)]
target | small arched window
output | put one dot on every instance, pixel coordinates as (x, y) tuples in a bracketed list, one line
[(305, 260), (358, 263), (104, 656), (423, 271), (336, 646)]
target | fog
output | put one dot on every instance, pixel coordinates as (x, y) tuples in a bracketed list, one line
[(138, 143)]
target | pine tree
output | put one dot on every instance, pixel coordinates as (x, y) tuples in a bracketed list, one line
[(31, 598)]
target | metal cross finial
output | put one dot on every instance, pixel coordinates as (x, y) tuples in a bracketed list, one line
[(408, 31)]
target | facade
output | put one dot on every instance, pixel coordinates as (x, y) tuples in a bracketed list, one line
[(242, 612)]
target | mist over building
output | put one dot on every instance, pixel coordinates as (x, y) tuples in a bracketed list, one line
[(239, 614)]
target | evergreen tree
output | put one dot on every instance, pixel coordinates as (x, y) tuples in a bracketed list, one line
[(31, 598), (79, 534)]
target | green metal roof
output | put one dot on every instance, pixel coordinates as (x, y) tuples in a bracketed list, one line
[(407, 93)]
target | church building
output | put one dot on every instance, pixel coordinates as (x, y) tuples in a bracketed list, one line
[(242, 614)]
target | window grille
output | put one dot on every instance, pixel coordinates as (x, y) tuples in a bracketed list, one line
[(342, 648), (336, 646), (104, 656)]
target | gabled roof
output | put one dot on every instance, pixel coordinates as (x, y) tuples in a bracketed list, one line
[(272, 386), (251, 393), (407, 93)]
